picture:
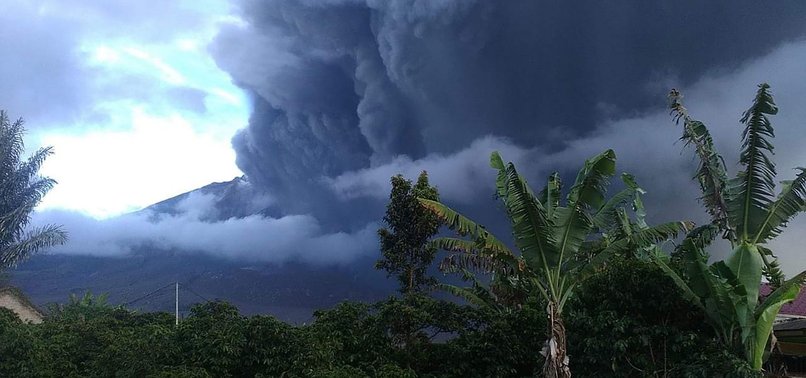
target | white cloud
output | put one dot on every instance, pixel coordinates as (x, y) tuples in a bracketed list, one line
[(127, 94), (457, 175), (106, 173), (253, 238)]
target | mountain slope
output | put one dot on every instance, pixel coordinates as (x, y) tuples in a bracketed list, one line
[(291, 290)]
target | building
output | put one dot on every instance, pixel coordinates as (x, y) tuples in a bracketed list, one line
[(14, 300)]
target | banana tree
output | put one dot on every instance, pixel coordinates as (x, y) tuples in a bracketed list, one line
[(558, 245), (745, 212)]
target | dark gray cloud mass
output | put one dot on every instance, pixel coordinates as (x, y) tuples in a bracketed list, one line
[(40, 70), (346, 93), (644, 144), (340, 86)]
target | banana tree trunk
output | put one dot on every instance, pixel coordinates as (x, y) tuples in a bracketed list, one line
[(556, 365)]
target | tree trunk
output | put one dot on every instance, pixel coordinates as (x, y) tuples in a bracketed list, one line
[(556, 365)]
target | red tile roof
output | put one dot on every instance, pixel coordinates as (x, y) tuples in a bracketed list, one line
[(796, 307)]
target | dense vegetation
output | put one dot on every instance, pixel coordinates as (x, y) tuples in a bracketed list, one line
[(608, 338), (588, 288)]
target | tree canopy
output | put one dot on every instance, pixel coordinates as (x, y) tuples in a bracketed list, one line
[(21, 189), (405, 251)]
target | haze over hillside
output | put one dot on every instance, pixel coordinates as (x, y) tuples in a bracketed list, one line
[(290, 290)]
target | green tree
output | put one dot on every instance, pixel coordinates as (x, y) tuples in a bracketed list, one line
[(746, 212), (21, 189), (629, 320), (559, 245), (213, 337), (404, 244)]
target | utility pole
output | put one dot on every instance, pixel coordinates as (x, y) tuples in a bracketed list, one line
[(177, 303)]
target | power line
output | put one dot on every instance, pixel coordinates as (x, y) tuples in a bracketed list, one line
[(195, 293), (182, 286), (148, 295)]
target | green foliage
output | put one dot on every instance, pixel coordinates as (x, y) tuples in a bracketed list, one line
[(273, 348), (352, 334), (404, 244), (213, 337), (21, 189), (87, 305), (625, 317), (18, 349), (349, 340), (747, 212), (503, 345), (100, 341), (630, 320), (560, 243)]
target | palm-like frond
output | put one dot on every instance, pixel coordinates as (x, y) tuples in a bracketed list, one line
[(30, 243), (468, 246), (793, 283), (549, 197), (11, 146), (751, 192), (701, 236), (772, 268), (574, 223), (501, 178), (591, 182), (661, 259), (30, 168), (747, 266), (465, 226), (17, 204), (711, 173), (608, 215), (502, 293), (716, 290), (474, 294), (637, 202), (789, 203), (639, 239), (659, 233), (475, 255), (531, 227), (698, 238), (766, 313), (21, 189), (478, 263)]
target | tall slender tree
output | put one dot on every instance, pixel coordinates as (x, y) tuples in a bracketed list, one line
[(404, 242), (748, 214), (560, 243), (21, 189)]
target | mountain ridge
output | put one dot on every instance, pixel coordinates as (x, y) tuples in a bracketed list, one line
[(289, 290)]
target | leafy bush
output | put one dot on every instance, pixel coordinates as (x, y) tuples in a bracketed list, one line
[(627, 321), (630, 320)]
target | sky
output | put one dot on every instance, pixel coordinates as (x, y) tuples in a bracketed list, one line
[(135, 107), (318, 103)]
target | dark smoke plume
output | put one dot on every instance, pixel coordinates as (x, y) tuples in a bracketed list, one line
[(341, 85)]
